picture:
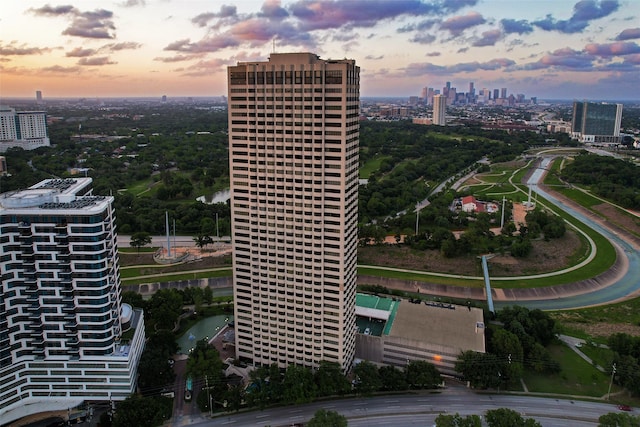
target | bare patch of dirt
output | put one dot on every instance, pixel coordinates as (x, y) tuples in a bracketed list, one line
[(605, 329), (545, 256), (614, 215), (206, 260)]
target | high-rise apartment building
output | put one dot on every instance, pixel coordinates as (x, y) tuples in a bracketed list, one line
[(596, 122), (62, 321), (439, 110), (294, 139), (39, 96), (25, 129)]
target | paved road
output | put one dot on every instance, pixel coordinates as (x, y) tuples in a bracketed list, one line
[(422, 409)]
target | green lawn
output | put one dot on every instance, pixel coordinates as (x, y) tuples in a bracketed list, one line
[(576, 378), (371, 166)]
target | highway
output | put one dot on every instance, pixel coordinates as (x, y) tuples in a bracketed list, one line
[(421, 410)]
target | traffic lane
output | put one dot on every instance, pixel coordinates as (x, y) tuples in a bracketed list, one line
[(562, 412)]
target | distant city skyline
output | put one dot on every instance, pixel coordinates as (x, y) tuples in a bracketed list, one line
[(585, 49)]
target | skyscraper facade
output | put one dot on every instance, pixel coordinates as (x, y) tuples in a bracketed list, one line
[(62, 320), (294, 140), (25, 129), (439, 110), (596, 122)]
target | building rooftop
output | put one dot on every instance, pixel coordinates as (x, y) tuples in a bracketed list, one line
[(447, 325), (441, 324), (53, 194)]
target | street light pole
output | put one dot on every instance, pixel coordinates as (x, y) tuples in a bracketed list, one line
[(613, 371)]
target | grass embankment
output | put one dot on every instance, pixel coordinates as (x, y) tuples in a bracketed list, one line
[(577, 377)]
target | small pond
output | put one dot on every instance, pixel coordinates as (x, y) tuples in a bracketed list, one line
[(206, 328)]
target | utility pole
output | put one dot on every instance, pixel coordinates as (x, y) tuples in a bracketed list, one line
[(613, 372), (208, 396)]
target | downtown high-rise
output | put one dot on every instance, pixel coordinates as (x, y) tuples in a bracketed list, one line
[(294, 140), (595, 122), (62, 323), (24, 129), (439, 110)]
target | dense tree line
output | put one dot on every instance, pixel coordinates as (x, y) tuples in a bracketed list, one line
[(520, 343), (438, 222), (413, 154), (626, 359), (614, 179)]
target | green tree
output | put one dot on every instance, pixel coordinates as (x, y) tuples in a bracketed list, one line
[(134, 299), (298, 384), (207, 295), (508, 348), (154, 371), (393, 379), (142, 411), (504, 417), (164, 308), (202, 240), (140, 239), (448, 420), (422, 374), (204, 362), (618, 419), (367, 378), (330, 380), (324, 418), (482, 370)]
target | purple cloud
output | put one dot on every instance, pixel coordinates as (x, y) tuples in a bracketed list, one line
[(113, 47), (374, 58), (79, 52), (419, 69), (58, 69), (203, 19), (420, 26), (97, 61), (457, 24), (13, 50), (324, 14), (583, 12), (423, 38), (612, 49), (511, 26), (563, 58), (132, 3), (176, 58), (489, 38), (628, 34), (434, 54), (272, 9), (53, 11), (254, 31), (96, 25)]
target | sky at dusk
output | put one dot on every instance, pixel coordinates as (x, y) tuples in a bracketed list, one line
[(553, 49)]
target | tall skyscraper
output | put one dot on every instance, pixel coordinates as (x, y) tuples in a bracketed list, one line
[(596, 122), (503, 93), (439, 110), (39, 96), (294, 139), (25, 129), (62, 320), (496, 94)]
